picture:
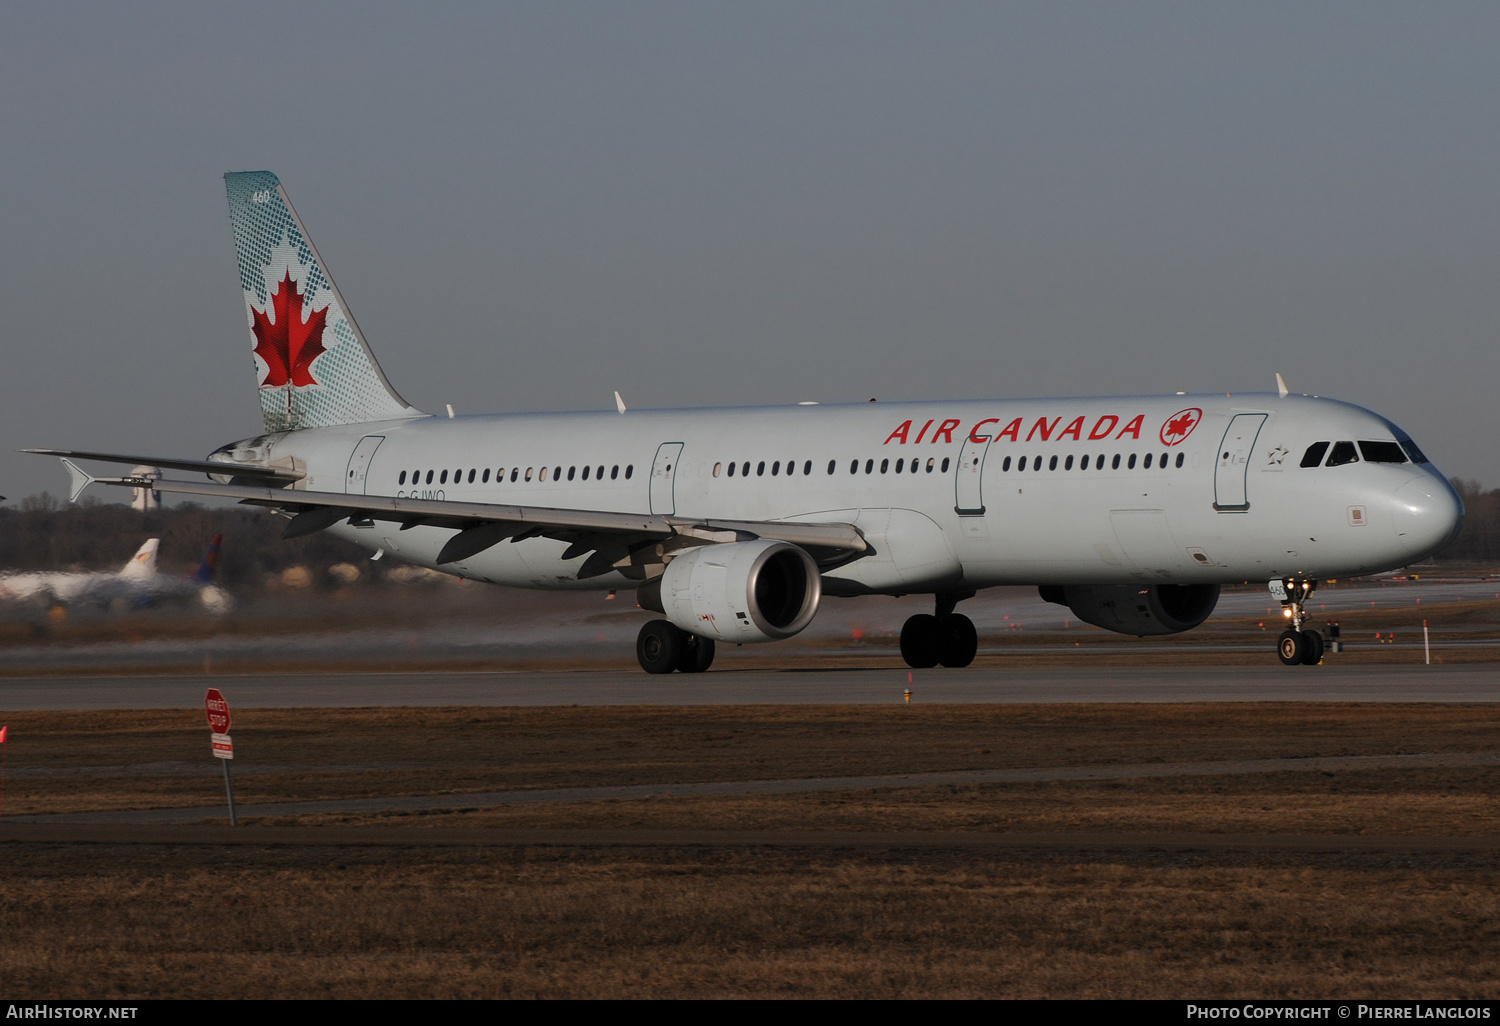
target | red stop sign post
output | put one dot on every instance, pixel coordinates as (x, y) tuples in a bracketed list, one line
[(217, 709)]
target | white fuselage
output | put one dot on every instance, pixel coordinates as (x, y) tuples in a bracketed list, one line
[(1225, 501)]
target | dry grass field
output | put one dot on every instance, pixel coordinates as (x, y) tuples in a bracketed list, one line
[(332, 911)]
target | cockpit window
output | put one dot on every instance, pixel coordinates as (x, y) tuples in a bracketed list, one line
[(1343, 452), (1411, 450), (1314, 454), (1382, 452)]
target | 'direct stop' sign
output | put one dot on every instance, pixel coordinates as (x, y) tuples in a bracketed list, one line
[(218, 711)]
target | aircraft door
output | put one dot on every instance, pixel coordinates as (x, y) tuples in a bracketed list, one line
[(969, 494), (1230, 494), (663, 474), (359, 464)]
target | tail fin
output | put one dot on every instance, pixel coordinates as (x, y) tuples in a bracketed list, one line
[(143, 563), (312, 365), (209, 568)]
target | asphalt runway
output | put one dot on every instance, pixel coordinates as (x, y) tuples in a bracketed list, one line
[(1327, 683)]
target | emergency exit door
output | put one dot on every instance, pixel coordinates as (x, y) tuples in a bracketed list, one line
[(663, 474)]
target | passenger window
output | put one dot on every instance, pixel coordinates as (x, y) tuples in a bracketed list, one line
[(429, 477), (1130, 463), (914, 466), (854, 466), (571, 472), (775, 468), (1148, 459), (556, 473), (629, 469), (869, 466), (760, 469), (543, 475), (719, 466), (1115, 463), (884, 465), (471, 477), (402, 479), (486, 478), (831, 466), (1343, 452), (514, 472), (807, 468), (443, 479), (599, 474), (1163, 463), (1020, 464), (1180, 457), (1382, 452), (1005, 467), (944, 467), (899, 465), (791, 467), (585, 473), (1068, 463), (1052, 463), (929, 464)]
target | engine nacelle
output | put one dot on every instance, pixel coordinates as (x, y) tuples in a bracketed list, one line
[(738, 592), (1138, 609)]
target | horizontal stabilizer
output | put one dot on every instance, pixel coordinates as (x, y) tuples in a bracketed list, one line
[(267, 474)]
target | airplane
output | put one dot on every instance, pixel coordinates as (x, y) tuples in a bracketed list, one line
[(735, 524), (137, 583)]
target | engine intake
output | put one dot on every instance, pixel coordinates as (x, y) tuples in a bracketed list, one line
[(739, 592), (1138, 609)]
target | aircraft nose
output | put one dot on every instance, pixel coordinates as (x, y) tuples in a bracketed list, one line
[(1427, 514)]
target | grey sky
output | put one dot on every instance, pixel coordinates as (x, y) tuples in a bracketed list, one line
[(530, 205)]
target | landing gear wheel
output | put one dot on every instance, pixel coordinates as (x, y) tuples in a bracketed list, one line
[(659, 646), (1314, 654), (1292, 648), (697, 653), (920, 641), (958, 641)]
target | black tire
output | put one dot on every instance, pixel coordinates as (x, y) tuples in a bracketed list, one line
[(958, 641), (1314, 654), (1291, 647), (697, 654), (920, 641), (659, 646)]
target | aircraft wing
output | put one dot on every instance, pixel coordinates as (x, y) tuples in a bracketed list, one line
[(617, 540)]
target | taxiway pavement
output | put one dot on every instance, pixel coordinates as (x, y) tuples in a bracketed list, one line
[(1164, 683)]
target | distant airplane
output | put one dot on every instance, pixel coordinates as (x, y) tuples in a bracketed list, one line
[(137, 583), (734, 524)]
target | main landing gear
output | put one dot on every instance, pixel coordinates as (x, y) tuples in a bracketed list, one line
[(1297, 646), (662, 647), (944, 637)]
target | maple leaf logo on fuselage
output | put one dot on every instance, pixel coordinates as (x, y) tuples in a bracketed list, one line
[(1179, 425), (290, 344)]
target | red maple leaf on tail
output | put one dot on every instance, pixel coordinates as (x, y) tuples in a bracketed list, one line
[(290, 345)]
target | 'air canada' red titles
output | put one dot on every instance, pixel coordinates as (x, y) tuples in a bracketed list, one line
[(1042, 429)]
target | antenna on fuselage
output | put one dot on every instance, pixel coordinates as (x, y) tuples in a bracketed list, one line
[(1280, 385), (619, 403)]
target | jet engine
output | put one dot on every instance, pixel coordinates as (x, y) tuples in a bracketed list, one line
[(1138, 609), (737, 592)]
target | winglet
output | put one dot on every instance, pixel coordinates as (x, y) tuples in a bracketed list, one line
[(78, 480), (1280, 385), (619, 403)]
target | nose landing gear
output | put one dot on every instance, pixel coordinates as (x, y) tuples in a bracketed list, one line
[(1297, 646)]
